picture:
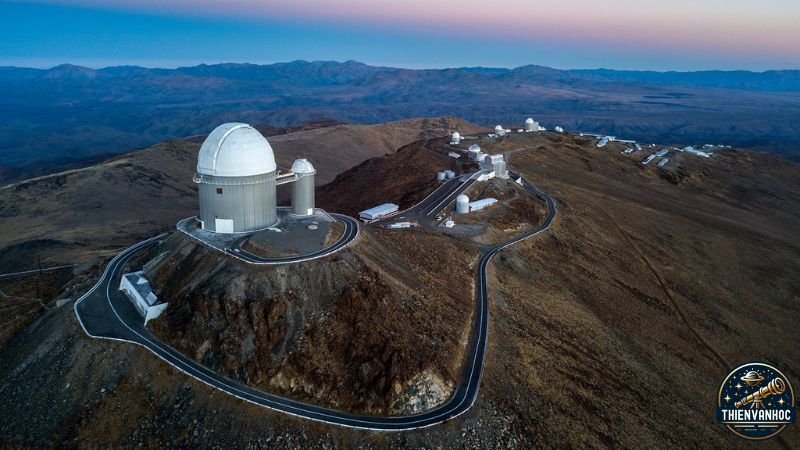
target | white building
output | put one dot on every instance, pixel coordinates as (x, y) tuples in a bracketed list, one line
[(475, 152), (496, 164), (499, 130), (559, 130), (483, 203), (400, 225), (531, 125), (693, 151), (378, 212), (455, 138), (137, 289), (462, 204)]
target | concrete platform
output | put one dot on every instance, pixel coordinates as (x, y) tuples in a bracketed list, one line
[(291, 236)]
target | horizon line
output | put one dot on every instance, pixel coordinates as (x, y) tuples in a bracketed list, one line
[(182, 65)]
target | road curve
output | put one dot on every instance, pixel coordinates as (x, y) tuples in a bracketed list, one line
[(104, 312), (351, 231)]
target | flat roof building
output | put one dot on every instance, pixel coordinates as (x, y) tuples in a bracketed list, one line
[(378, 212)]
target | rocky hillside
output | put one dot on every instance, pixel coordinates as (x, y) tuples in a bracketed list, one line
[(370, 329), (612, 329)]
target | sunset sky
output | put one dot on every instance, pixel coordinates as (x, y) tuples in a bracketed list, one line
[(619, 34)]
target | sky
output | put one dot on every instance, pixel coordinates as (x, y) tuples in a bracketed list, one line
[(617, 34)]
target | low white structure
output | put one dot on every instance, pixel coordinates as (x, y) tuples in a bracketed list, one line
[(500, 131), (449, 174), (693, 151), (454, 155), (399, 225), (559, 129), (455, 138), (483, 203), (378, 212), (663, 162), (440, 176), (137, 289), (462, 204), (449, 224)]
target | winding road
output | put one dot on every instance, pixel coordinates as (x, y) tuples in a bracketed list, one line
[(104, 312)]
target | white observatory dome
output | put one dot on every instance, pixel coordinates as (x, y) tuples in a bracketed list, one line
[(456, 135), (462, 199), (499, 128), (302, 166), (475, 148), (529, 121), (235, 150)]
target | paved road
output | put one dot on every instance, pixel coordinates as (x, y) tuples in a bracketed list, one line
[(351, 229), (427, 210), (104, 312)]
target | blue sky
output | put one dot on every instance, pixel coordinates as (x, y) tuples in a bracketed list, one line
[(172, 33)]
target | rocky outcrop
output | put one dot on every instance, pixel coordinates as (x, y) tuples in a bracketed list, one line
[(336, 331)]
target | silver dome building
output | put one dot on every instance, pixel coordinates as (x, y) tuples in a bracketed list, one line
[(236, 173), (303, 188)]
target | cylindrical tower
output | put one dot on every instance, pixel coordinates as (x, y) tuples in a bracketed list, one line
[(303, 188), (474, 152), (531, 125), (455, 138), (462, 204), (236, 180)]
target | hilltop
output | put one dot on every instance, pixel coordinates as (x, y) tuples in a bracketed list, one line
[(81, 213), (611, 329)]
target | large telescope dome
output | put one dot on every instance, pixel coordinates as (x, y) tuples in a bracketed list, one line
[(235, 150)]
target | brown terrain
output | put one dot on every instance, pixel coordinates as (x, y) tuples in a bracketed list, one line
[(333, 331), (613, 328)]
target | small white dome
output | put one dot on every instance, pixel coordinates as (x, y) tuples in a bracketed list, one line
[(475, 148), (302, 166), (462, 199), (529, 120), (499, 128), (235, 150), (456, 135)]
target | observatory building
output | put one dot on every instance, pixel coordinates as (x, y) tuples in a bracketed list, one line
[(455, 138), (474, 152), (237, 179), (531, 125), (303, 189)]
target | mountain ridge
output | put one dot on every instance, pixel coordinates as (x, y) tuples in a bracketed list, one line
[(70, 112)]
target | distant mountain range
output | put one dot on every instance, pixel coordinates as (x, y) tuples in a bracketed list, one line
[(68, 113)]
